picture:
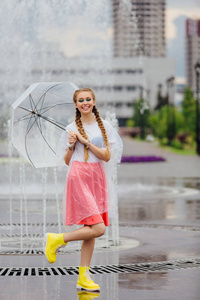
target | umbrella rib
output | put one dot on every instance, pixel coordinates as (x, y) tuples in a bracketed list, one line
[(27, 151), (52, 106), (40, 129), (31, 101), (25, 117), (27, 131), (35, 105), (46, 92), (43, 96), (25, 109), (22, 119)]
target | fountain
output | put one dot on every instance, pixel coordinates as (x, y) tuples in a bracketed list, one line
[(45, 35)]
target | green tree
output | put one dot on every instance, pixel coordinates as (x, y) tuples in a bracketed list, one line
[(158, 123), (161, 121), (141, 116)]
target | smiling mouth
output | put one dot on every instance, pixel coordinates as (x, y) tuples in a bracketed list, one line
[(85, 107)]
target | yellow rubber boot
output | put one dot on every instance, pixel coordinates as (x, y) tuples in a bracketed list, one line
[(53, 243), (85, 283), (87, 295)]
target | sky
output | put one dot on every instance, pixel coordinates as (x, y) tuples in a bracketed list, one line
[(176, 14)]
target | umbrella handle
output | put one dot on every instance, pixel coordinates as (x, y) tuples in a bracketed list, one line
[(70, 145)]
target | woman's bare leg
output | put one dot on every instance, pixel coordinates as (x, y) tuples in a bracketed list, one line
[(87, 251), (85, 233)]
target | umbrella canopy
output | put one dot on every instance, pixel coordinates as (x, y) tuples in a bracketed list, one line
[(38, 117)]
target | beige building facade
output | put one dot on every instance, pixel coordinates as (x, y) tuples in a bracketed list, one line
[(192, 50), (139, 28)]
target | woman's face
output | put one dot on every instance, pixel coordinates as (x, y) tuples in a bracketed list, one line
[(85, 102)]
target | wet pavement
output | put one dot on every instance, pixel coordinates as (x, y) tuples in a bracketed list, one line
[(162, 285), (159, 207)]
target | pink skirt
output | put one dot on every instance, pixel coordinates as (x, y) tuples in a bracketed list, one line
[(86, 194)]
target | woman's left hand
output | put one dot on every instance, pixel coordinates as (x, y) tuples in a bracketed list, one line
[(81, 139)]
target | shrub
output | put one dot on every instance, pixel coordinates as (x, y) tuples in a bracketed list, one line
[(190, 140), (130, 122), (177, 144), (182, 137), (164, 141)]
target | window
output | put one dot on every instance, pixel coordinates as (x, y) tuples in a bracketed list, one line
[(131, 87), (130, 71), (117, 87)]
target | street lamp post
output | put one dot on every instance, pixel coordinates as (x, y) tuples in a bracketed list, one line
[(168, 100), (171, 122), (142, 107), (197, 70), (173, 109), (142, 133)]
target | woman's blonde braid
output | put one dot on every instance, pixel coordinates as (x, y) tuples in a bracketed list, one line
[(81, 131), (101, 126)]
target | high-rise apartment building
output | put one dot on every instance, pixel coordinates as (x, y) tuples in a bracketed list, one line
[(139, 28), (192, 50)]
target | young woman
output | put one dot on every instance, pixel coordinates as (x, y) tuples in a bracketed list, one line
[(91, 147)]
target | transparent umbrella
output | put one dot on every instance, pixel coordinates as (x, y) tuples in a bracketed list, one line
[(37, 119)]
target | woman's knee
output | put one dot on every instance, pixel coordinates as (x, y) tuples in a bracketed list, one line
[(99, 229)]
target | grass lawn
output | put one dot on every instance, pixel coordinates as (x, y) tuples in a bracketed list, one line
[(186, 151)]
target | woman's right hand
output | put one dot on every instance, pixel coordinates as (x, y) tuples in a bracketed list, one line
[(72, 137)]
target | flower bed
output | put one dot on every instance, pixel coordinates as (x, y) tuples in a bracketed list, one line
[(137, 159)]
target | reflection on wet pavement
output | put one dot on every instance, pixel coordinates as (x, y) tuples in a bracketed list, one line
[(160, 245), (155, 281), (164, 201), (87, 295)]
